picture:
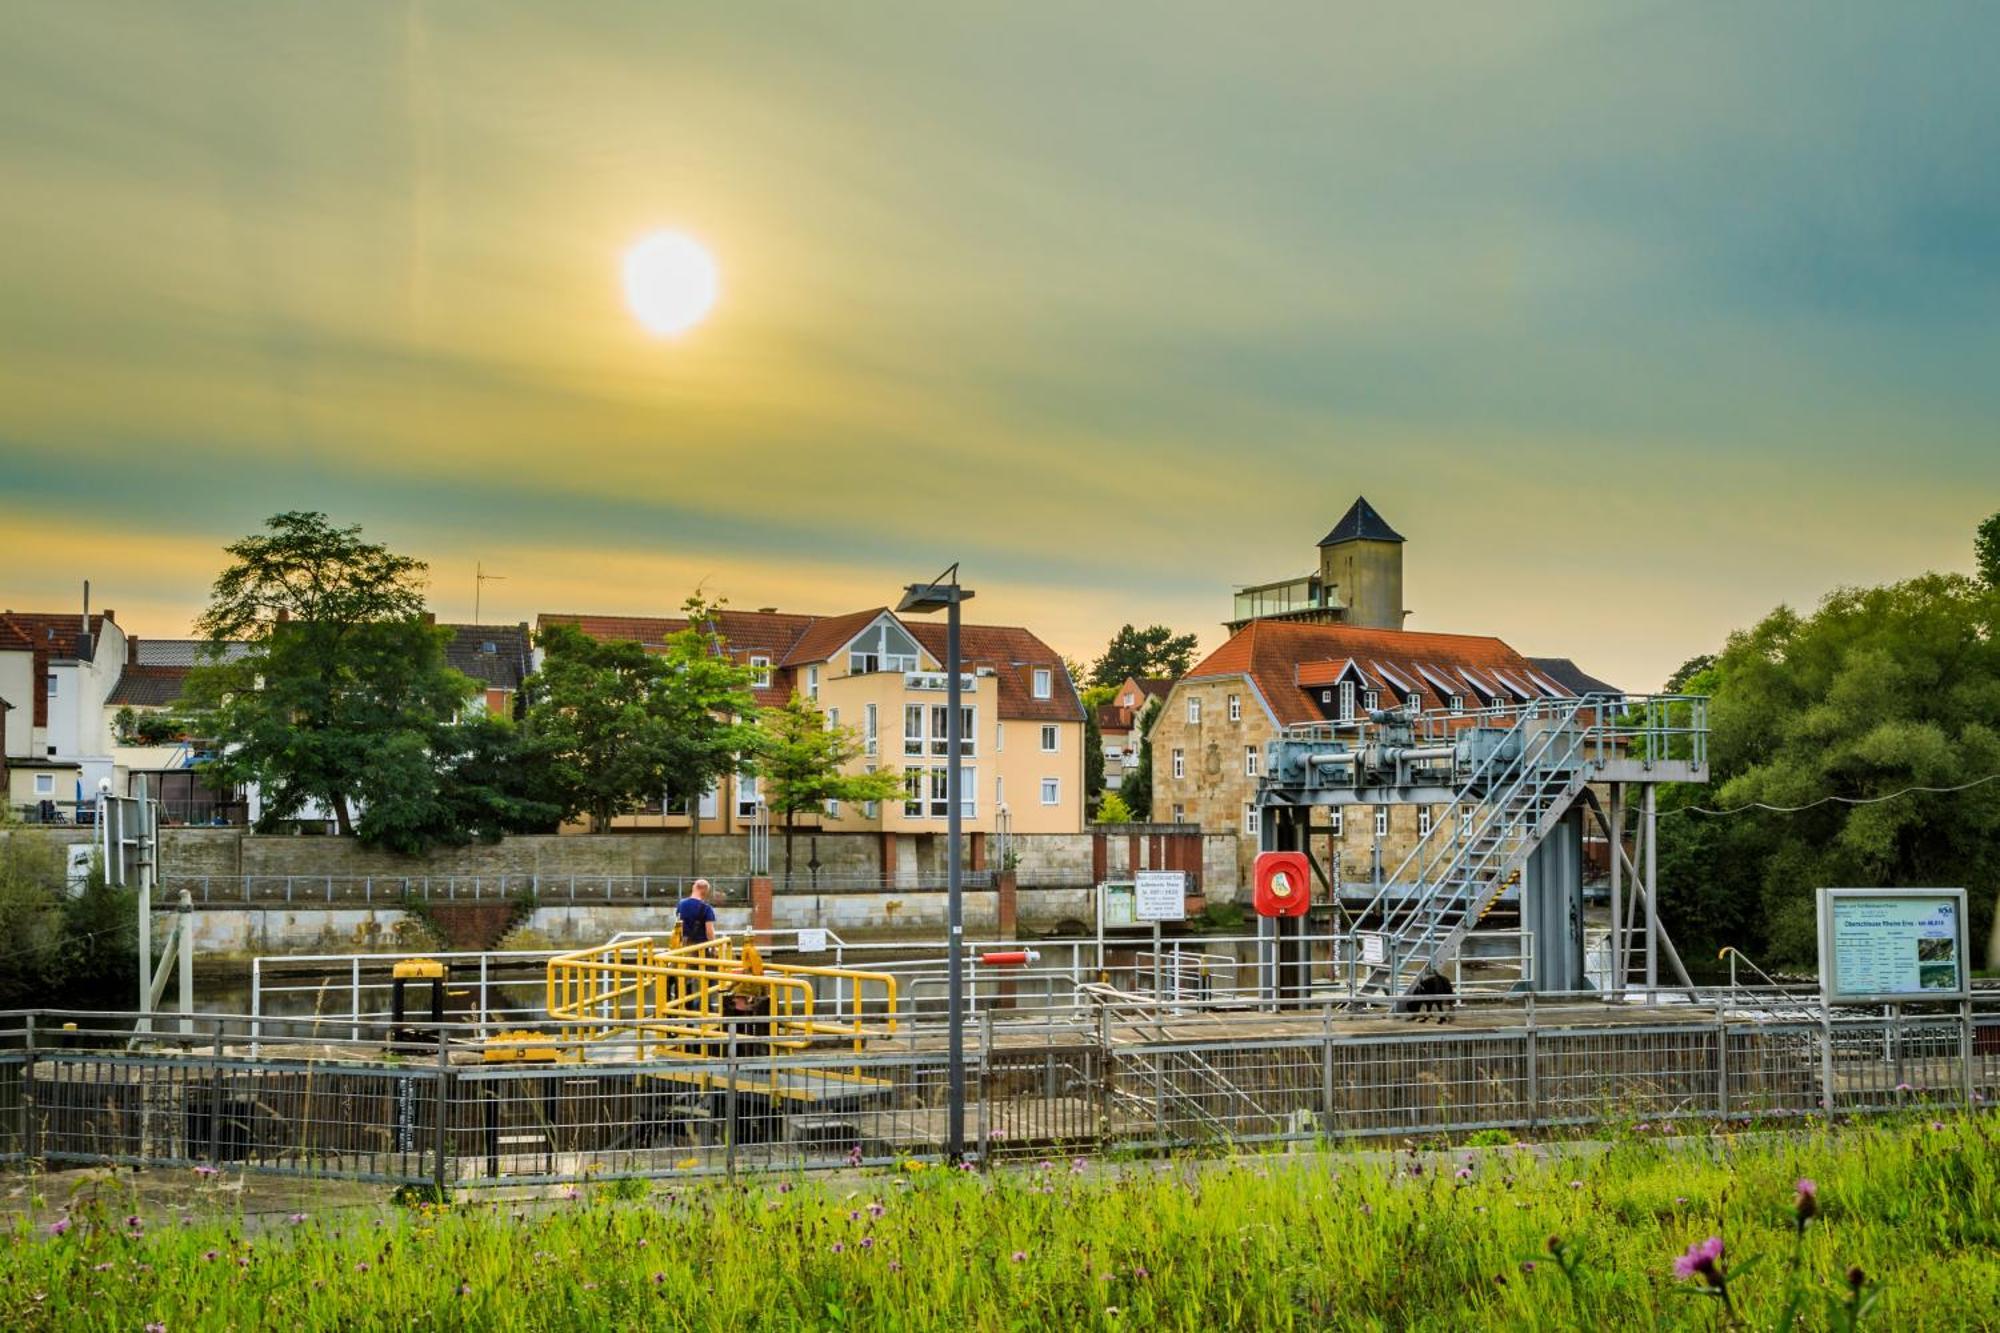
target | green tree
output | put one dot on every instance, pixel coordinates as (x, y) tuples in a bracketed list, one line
[(480, 778), (344, 686), (600, 712), (1881, 689), (709, 712), (1153, 651), (62, 948), (1136, 787), (1986, 551), (802, 760), (1093, 698), (1113, 810)]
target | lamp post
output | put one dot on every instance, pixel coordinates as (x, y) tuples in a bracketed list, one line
[(943, 593)]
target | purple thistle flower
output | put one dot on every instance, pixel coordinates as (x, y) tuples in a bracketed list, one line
[(1139, 1271), (895, 1266), (1703, 1260), (211, 1254), (659, 1279), (838, 1248), (876, 1210), (205, 1171), (784, 1187), (1807, 1202), (854, 1214), (1464, 1173), (156, 1327), (1020, 1256), (361, 1267), (296, 1218), (1527, 1265), (867, 1242), (465, 1288), (59, 1226), (1937, 1124)]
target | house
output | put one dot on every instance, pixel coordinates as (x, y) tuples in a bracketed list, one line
[(882, 676), (57, 669), (498, 657), (151, 684), (1118, 723)]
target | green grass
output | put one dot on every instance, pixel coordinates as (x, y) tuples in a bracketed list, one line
[(1315, 1240)]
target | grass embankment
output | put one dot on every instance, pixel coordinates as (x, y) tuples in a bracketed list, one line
[(1309, 1241)]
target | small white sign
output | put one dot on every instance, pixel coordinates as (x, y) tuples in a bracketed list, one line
[(80, 854), (812, 941), (1159, 895), (1374, 950)]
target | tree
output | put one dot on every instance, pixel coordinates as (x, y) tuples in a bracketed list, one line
[(1881, 689), (480, 778), (1153, 651), (1113, 810), (344, 684), (601, 714), (1136, 787), (1093, 697), (709, 710), (1986, 551), (801, 759)]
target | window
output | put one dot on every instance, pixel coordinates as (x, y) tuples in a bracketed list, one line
[(999, 791), (45, 783), (1326, 696), (762, 666), (1414, 701), (913, 793), (1180, 764), (1051, 738), (870, 809), (1051, 791), (940, 720), (968, 731), (1465, 822), (52, 685), (999, 737), (968, 792), (913, 729), (1371, 700), (1125, 699), (1194, 711), (1458, 703), (1336, 825), (940, 793), (1381, 821), (812, 682), (1180, 814), (1044, 684), (1423, 821), (1235, 708), (1250, 826), (747, 802), (868, 742), (1346, 701), (1250, 761), (832, 718), (711, 803), (832, 810)]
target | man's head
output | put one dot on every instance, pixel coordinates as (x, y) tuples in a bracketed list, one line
[(699, 889)]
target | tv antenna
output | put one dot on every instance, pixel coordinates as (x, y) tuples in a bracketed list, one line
[(480, 578)]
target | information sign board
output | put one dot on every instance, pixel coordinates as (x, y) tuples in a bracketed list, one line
[(812, 940), (1880, 945), (1160, 895), (1118, 908), (1374, 949)]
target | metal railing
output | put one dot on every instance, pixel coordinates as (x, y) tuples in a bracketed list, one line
[(1128, 1077), (387, 890)]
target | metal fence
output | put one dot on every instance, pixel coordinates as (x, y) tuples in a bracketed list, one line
[(351, 890), (76, 1088)]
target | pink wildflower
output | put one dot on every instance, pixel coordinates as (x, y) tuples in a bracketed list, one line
[(1704, 1260)]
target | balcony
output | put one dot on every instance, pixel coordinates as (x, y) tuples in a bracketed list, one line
[(938, 680)]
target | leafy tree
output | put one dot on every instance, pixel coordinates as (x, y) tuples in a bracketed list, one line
[(480, 778), (709, 711), (1136, 787), (62, 948), (1986, 551), (1682, 681), (1153, 651), (802, 760), (1113, 810), (1093, 697), (601, 715), (344, 684), (1879, 690)]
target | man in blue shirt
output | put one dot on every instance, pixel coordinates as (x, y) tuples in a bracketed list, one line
[(697, 917)]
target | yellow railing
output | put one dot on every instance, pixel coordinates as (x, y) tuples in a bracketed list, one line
[(688, 1000)]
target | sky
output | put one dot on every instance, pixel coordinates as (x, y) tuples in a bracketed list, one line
[(1637, 320)]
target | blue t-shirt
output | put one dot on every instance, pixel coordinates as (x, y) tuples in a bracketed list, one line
[(696, 918)]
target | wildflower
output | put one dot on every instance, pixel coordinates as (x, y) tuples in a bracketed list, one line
[(1527, 1265), (133, 1223), (100, 1268), (876, 1210), (784, 1187), (1937, 1124), (1576, 1184), (210, 1254), (156, 1327), (296, 1218), (1904, 1087), (1642, 1126), (1807, 1202), (1464, 1173), (1020, 1256), (1855, 1277), (1076, 1166), (59, 1226), (838, 1248), (465, 1288), (867, 1242), (572, 1193), (895, 1266), (206, 1171), (854, 1214), (996, 1136), (1704, 1260), (361, 1267), (1680, 1200), (1139, 1271)]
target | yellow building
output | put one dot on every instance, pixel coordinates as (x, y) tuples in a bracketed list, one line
[(883, 677)]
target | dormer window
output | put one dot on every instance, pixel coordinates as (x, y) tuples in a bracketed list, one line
[(489, 648), (1044, 683), (1458, 703), (1346, 700), (762, 666), (1414, 701)]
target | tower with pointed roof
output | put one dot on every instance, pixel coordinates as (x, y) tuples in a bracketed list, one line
[(1361, 567)]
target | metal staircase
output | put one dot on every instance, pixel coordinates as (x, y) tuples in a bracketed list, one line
[(1513, 797)]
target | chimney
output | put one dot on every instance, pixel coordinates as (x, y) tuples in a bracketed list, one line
[(131, 646), (430, 617), (83, 635), (767, 610)]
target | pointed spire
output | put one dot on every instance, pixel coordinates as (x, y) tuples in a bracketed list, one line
[(1361, 523)]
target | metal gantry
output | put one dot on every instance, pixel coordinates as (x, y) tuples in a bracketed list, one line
[(1511, 788)]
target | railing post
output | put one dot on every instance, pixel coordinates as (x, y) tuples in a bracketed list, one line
[(1533, 1057), (30, 1150), (1722, 1064), (729, 1110), (440, 1139)]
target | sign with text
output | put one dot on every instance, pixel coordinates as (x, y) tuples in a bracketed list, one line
[(1893, 944), (812, 940), (1374, 949), (1160, 895)]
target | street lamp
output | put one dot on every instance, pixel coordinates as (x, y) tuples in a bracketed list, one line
[(943, 593)]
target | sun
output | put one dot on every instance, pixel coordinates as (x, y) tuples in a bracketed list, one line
[(671, 282)]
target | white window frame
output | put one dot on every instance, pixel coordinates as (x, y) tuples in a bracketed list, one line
[(1051, 738), (1414, 701), (940, 787), (760, 664), (1194, 711), (1381, 821), (1249, 761), (1346, 701), (999, 738), (1250, 820), (968, 792), (747, 783), (1337, 822), (999, 791), (45, 784), (870, 809), (1044, 683), (1423, 821), (913, 741), (1235, 708), (1458, 703), (711, 802), (1180, 813), (913, 792), (1051, 791), (812, 683), (1180, 764), (869, 720)]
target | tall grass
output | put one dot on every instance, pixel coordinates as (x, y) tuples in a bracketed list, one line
[(1461, 1240)]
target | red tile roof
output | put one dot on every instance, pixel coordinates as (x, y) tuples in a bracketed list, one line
[(1283, 657), (50, 636), (792, 641)]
